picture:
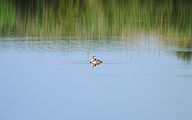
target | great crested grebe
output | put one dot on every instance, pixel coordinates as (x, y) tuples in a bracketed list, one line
[(95, 61)]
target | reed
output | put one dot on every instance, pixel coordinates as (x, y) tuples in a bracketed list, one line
[(44, 18)]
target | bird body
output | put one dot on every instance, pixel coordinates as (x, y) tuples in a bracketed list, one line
[(95, 61)]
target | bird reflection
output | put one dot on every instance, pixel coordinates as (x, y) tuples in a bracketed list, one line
[(95, 62), (94, 65)]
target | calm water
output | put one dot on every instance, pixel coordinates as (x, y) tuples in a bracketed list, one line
[(45, 72)]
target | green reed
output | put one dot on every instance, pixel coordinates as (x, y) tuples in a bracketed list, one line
[(7, 16), (103, 18)]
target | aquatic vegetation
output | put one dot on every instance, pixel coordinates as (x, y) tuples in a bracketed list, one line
[(88, 18), (184, 56), (7, 16)]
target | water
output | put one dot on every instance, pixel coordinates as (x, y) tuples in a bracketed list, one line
[(145, 74), (52, 80)]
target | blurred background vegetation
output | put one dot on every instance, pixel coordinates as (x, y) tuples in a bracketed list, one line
[(96, 17)]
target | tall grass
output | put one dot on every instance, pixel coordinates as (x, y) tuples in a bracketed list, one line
[(103, 18)]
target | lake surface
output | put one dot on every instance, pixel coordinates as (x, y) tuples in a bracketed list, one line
[(46, 74)]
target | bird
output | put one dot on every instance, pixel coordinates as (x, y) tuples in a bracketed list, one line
[(95, 61)]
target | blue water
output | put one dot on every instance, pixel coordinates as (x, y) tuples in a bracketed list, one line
[(53, 80)]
